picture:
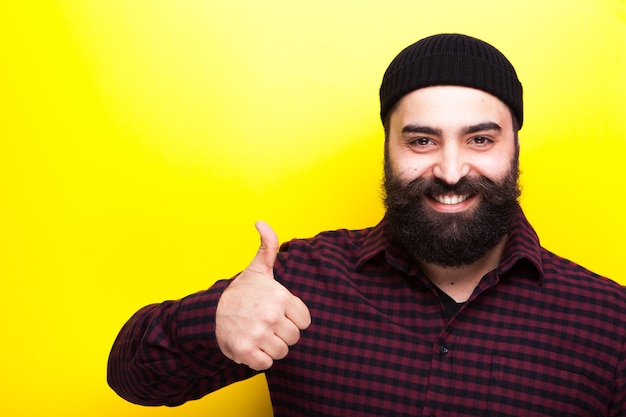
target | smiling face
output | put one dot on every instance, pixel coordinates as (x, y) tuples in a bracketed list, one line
[(451, 172)]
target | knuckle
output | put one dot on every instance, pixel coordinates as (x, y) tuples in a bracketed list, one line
[(283, 296), (242, 353), (283, 351), (261, 363), (271, 316), (293, 338), (258, 334)]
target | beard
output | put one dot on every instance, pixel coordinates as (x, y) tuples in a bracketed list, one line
[(451, 240)]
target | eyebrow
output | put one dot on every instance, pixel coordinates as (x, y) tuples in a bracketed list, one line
[(411, 128), (480, 127)]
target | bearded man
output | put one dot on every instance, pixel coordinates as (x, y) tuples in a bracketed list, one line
[(449, 306)]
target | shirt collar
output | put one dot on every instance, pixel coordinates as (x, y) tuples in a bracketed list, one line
[(523, 244)]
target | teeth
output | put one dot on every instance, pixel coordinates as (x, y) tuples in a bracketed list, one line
[(450, 199)]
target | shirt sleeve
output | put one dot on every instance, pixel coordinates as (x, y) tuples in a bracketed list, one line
[(167, 354), (618, 404)]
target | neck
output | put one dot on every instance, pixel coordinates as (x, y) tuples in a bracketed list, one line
[(460, 282)]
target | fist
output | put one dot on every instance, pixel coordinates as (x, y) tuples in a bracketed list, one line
[(257, 318)]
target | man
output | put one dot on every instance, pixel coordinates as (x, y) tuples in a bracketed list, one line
[(448, 307)]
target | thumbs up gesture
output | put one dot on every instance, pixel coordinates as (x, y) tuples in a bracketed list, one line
[(257, 318)]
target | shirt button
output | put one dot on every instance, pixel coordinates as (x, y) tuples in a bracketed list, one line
[(443, 349)]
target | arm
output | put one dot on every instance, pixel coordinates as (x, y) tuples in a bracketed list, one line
[(177, 351), (167, 354)]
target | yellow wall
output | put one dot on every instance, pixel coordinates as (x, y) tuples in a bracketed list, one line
[(140, 140)]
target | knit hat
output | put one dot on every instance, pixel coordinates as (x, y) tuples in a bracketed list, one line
[(451, 59)]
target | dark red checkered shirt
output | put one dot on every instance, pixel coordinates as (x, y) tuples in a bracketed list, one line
[(540, 336)]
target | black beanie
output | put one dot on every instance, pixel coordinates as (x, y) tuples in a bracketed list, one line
[(451, 59)]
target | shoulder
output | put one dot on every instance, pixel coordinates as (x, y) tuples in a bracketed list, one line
[(331, 241), (574, 278), (329, 253)]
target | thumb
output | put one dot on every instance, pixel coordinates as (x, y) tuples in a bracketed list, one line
[(266, 255)]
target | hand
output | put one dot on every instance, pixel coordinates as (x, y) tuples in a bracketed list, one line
[(257, 318)]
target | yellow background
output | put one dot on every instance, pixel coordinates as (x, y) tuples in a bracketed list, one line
[(140, 140)]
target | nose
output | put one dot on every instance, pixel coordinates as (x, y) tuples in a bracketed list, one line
[(451, 166)]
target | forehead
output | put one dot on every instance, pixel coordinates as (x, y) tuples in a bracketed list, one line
[(444, 106)]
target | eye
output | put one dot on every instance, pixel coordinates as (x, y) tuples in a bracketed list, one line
[(481, 140), (421, 141)]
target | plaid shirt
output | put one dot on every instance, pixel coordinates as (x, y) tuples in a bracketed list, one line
[(540, 336)]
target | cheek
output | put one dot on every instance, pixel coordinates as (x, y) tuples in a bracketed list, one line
[(493, 168), (405, 164), (408, 167)]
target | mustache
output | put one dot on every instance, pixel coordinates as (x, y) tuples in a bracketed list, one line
[(497, 193)]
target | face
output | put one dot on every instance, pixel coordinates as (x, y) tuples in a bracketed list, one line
[(451, 174)]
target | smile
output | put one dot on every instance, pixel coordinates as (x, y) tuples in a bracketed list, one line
[(450, 199)]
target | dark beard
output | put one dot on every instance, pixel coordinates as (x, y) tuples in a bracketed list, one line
[(451, 240)]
